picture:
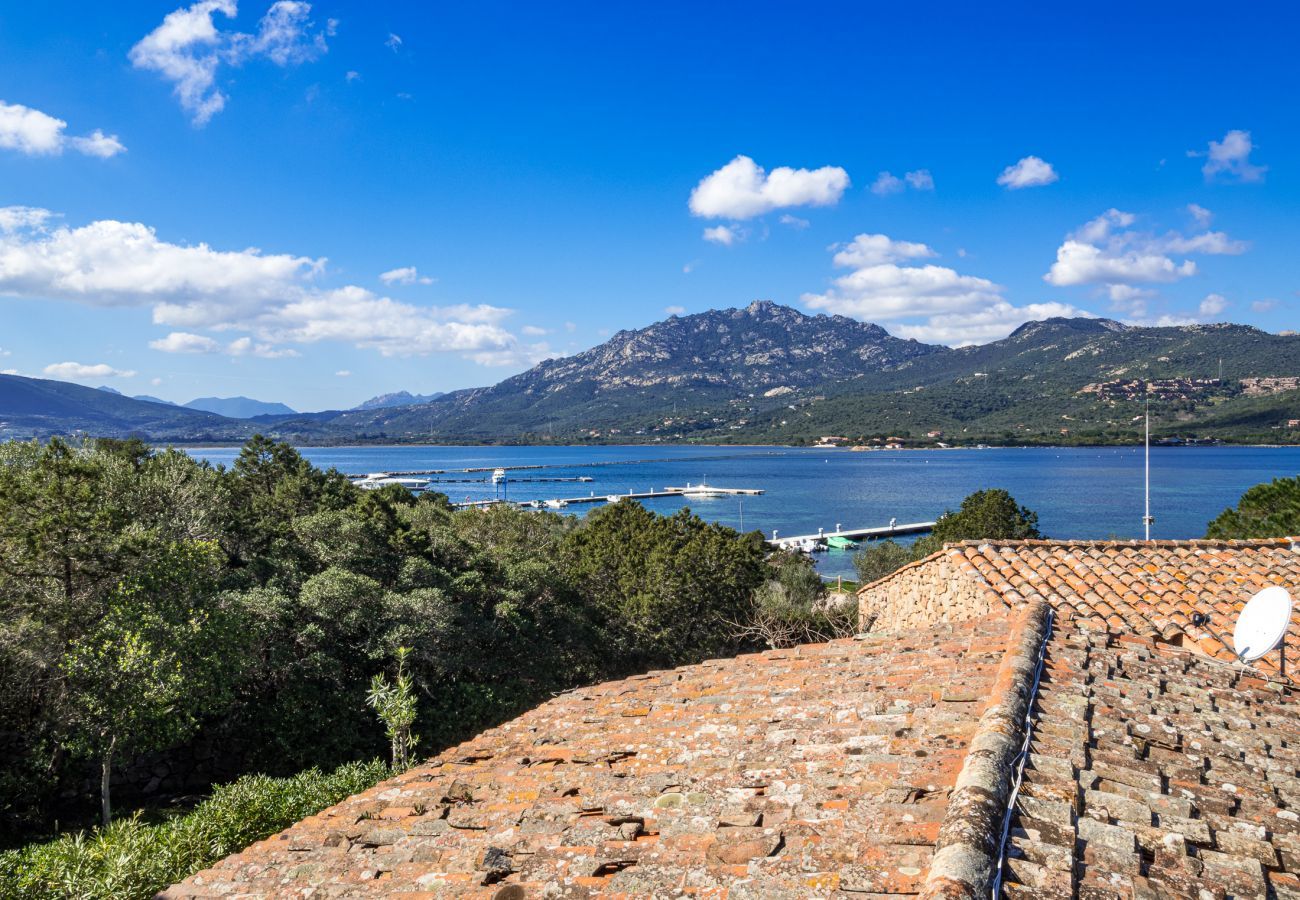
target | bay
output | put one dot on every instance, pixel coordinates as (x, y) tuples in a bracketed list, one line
[(1077, 492)]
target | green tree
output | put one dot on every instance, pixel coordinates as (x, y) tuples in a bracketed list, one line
[(875, 560), (669, 586), (990, 514), (791, 607), (1268, 510), (140, 678)]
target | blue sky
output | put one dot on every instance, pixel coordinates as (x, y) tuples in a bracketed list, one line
[(201, 199)]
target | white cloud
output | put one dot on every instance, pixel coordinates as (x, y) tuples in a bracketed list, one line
[(32, 132), (80, 371), (517, 357), (1028, 172), (8, 371), (1108, 251), (1263, 306), (155, 381), (742, 189), (4, 352), (343, 373), (874, 249), (14, 217), (1229, 159), (920, 180), (1200, 215), (571, 327), (274, 298), (404, 275), (887, 291), (1213, 304), (188, 49), (352, 76), (725, 235), (927, 302), (675, 310), (794, 221), (245, 346), (184, 342), (887, 183), (534, 330), (1081, 263), (393, 42), (981, 326)]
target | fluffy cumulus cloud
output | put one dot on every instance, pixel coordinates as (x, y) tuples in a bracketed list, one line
[(742, 189), (726, 235), (1212, 305), (184, 342), (1229, 159), (34, 133), (404, 275), (1028, 172), (188, 48), (874, 249), (889, 283), (888, 183), (75, 371), (273, 299), (1109, 252)]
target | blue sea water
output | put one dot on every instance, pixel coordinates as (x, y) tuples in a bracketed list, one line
[(1077, 492)]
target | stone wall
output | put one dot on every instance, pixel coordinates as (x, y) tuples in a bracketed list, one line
[(920, 595)]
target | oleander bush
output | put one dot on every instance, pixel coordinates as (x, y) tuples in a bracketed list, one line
[(133, 858)]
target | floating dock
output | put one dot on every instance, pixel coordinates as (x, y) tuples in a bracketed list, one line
[(853, 534), (593, 497)]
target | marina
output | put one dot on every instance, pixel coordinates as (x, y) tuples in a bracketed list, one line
[(689, 492), (847, 538), (1078, 492)]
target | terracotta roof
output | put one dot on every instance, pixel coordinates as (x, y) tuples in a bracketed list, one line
[(799, 773), (1156, 773), (1061, 742), (1147, 588)]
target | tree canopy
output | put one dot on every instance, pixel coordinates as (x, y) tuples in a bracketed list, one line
[(1267, 510)]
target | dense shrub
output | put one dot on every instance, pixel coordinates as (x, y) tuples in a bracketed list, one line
[(148, 601), (1267, 510), (991, 514), (132, 858)]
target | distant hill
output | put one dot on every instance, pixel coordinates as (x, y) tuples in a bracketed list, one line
[(771, 374), (37, 407), (768, 373), (147, 399), (398, 398), (239, 407)]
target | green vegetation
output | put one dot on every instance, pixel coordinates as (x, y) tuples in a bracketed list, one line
[(991, 514), (1267, 510), (151, 604), (395, 704), (792, 607), (132, 858)]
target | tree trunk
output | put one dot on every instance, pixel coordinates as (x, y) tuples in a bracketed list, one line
[(105, 779)]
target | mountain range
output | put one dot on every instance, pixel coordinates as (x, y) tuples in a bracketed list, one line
[(771, 374)]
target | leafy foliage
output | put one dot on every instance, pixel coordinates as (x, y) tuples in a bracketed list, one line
[(991, 514), (792, 607), (395, 704), (134, 859), (1268, 510), (149, 601)]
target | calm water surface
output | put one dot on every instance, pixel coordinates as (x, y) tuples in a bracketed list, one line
[(1077, 493)]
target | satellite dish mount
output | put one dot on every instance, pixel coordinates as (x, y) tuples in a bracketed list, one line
[(1261, 627)]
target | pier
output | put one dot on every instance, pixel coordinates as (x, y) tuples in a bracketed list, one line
[(593, 497), (853, 534)]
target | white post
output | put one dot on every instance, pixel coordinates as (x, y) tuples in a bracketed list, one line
[(1146, 486)]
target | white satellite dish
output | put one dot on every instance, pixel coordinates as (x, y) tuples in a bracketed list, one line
[(1262, 624)]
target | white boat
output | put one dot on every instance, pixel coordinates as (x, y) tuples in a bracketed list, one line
[(498, 476), (614, 498), (376, 480), (556, 504), (701, 490), (808, 545)]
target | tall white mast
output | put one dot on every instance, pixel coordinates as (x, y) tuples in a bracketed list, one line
[(1146, 488)]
